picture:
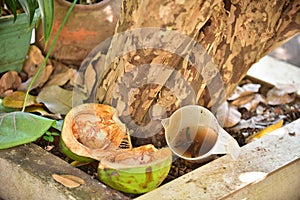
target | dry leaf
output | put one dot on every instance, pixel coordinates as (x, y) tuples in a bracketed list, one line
[(6, 93), (40, 81), (59, 67), (245, 90), (74, 78), (251, 87), (69, 181), (260, 109), (265, 131), (243, 100), (253, 122), (228, 115), (61, 78), (76, 163), (16, 100), (44, 76), (42, 112), (247, 97), (281, 94), (75, 178), (34, 61), (56, 99), (49, 147), (252, 105), (9, 81)]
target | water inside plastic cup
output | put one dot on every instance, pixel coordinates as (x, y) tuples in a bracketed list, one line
[(193, 133)]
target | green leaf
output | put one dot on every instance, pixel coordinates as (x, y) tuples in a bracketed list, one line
[(54, 134), (18, 128), (51, 139), (48, 138), (47, 15), (12, 5), (29, 7), (51, 133), (59, 124), (47, 133)]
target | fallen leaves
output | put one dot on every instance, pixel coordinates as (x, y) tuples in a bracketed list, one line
[(48, 92), (23, 127), (31, 65), (228, 115), (34, 61), (244, 91), (253, 111), (281, 94), (68, 181), (62, 78), (16, 100), (9, 81), (40, 81), (255, 101), (41, 111), (265, 131), (56, 99), (4, 109), (247, 96)]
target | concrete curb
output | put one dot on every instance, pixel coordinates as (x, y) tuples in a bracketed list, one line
[(25, 173)]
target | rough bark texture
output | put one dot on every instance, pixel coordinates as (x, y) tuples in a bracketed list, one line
[(234, 33)]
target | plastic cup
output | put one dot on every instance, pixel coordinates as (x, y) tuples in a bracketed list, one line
[(194, 134)]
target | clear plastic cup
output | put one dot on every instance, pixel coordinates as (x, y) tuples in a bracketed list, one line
[(194, 134)]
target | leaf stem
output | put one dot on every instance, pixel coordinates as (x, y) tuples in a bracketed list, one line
[(48, 54)]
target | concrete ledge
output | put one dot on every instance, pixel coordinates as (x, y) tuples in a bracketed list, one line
[(272, 71), (264, 161), (281, 184), (25, 173)]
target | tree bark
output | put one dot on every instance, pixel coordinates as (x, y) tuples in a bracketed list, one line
[(147, 82)]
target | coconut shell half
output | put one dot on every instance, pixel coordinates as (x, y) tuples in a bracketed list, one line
[(92, 131), (136, 171)]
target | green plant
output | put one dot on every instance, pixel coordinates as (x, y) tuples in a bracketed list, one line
[(19, 127), (14, 7), (49, 136)]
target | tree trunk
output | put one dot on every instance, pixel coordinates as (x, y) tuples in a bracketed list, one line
[(202, 51)]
